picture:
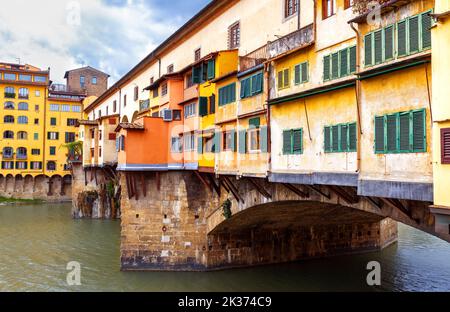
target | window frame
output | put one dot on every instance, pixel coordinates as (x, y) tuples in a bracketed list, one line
[(250, 132), (340, 150)]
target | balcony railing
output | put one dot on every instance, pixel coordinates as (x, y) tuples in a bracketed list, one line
[(23, 96), (7, 156), (253, 59), (143, 105), (9, 95), (294, 40), (21, 156)]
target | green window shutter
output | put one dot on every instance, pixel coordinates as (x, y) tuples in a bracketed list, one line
[(388, 43), (233, 92), (243, 87), (391, 133), (326, 68), (212, 104), (196, 74), (378, 46), (297, 141), (335, 138), (259, 83), (327, 139), (368, 50), (404, 132), (254, 122), (413, 27), (286, 78), (280, 80), (304, 71), (254, 84), (233, 140), (343, 55), (211, 69), (203, 106), (200, 144), (287, 142), (217, 141), (242, 141), (426, 30), (379, 134), (401, 38), (264, 139), (220, 96), (297, 74), (248, 87), (353, 59), (335, 65), (419, 131), (344, 138), (352, 137)]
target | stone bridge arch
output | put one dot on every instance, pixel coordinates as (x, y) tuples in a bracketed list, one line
[(28, 185)]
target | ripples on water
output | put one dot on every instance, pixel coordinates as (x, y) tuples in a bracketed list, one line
[(37, 242)]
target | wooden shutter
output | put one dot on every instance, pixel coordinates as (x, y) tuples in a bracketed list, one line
[(287, 142), (200, 144), (233, 140), (259, 82), (286, 78), (254, 122), (217, 141), (352, 137), (203, 106), (326, 68), (368, 50), (401, 38), (212, 104), (388, 43), (391, 133), (112, 136), (280, 79), (426, 30), (404, 132), (297, 74), (196, 74), (335, 65), (304, 71), (211, 69), (245, 88), (344, 138), (419, 131), (352, 59), (327, 139), (233, 92), (297, 141), (445, 146), (242, 141), (263, 139), (378, 46), (343, 55), (379, 134), (413, 27), (335, 138)]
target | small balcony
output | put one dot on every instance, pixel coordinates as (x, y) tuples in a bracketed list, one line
[(144, 105), (24, 96), (292, 41), (253, 59), (9, 95), (7, 156)]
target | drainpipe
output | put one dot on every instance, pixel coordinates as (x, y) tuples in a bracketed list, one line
[(298, 17), (44, 139), (358, 98), (159, 67), (267, 70)]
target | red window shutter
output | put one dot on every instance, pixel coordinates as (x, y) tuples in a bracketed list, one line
[(112, 121), (445, 146), (112, 136)]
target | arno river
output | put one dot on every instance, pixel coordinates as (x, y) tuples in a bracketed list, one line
[(37, 242)]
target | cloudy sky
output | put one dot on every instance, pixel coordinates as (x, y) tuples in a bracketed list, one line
[(111, 35)]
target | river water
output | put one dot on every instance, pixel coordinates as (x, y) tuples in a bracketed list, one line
[(37, 242)]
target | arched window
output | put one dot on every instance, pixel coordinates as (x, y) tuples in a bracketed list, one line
[(8, 119), (21, 153), (8, 152), (9, 105), (51, 166), (10, 92), (23, 106), (22, 135), (8, 135), (23, 93), (23, 120)]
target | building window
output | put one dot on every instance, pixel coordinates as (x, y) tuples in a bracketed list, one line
[(92, 152), (23, 106), (176, 145), (189, 82), (290, 7), (65, 108), (36, 165), (340, 138), (209, 144), (23, 93), (8, 165), (23, 120), (54, 107), (53, 135), (10, 92), (100, 132), (112, 136), (293, 142), (197, 54), (189, 142), (8, 152), (403, 132), (229, 139), (348, 4), (254, 143), (37, 93), (94, 80), (283, 79), (8, 134), (164, 89), (227, 94), (155, 93), (328, 8), (21, 153), (339, 64), (36, 136), (170, 69), (36, 108), (82, 81), (301, 73), (114, 106), (136, 93), (22, 135), (35, 152), (92, 133), (52, 150), (190, 110), (9, 105), (152, 80), (99, 152), (234, 36), (107, 110), (8, 119), (70, 137), (36, 121), (125, 100), (176, 114), (21, 165), (40, 79), (251, 86), (76, 108), (71, 122), (51, 166), (8, 76), (53, 121), (445, 146), (23, 77)]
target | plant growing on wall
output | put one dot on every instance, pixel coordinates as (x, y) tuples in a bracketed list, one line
[(74, 151), (226, 208), (362, 6)]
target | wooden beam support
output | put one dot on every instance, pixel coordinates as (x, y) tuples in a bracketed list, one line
[(200, 177), (397, 204), (318, 190), (373, 201), (225, 186), (213, 184), (144, 185), (342, 193), (85, 177), (158, 181), (95, 175), (233, 189), (260, 188), (135, 190), (295, 190), (129, 190)]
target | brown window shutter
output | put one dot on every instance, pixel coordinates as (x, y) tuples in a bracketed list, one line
[(112, 121), (445, 146), (112, 137)]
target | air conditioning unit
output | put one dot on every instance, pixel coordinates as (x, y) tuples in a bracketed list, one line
[(167, 115)]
